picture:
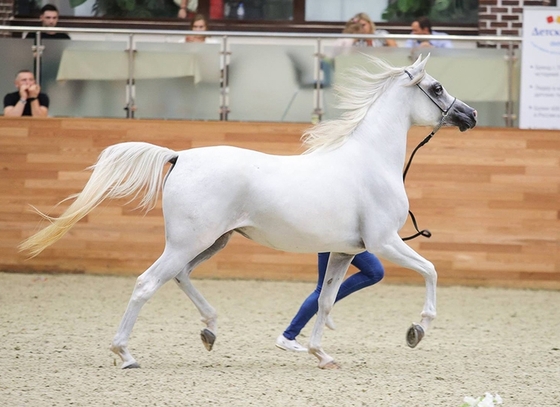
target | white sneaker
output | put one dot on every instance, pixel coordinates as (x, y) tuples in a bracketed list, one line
[(292, 345)]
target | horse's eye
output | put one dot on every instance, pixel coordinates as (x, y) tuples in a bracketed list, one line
[(438, 89)]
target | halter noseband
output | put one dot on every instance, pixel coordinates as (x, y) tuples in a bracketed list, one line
[(444, 112)]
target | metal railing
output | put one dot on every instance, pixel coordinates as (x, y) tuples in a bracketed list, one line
[(225, 39)]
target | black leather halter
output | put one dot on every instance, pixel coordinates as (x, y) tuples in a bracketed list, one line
[(444, 112), (424, 232)]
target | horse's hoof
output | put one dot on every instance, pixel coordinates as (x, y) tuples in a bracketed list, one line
[(414, 335), (133, 365), (208, 338), (332, 365)]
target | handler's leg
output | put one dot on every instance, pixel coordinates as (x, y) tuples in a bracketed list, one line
[(371, 272)]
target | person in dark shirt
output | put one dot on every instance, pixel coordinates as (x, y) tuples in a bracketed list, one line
[(28, 99), (49, 18)]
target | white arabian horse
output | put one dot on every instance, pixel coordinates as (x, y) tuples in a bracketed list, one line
[(344, 195)]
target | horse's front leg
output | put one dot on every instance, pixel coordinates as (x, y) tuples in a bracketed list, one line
[(400, 253), (336, 270)]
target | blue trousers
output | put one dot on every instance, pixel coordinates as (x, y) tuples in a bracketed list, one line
[(371, 272)]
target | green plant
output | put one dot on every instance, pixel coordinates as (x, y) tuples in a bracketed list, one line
[(132, 8), (464, 11), (488, 400)]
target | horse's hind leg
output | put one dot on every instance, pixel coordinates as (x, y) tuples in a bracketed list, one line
[(207, 312), (400, 253), (170, 263), (336, 270)]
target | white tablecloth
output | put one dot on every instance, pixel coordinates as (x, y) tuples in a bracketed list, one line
[(78, 64)]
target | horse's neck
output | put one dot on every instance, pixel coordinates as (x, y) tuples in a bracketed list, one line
[(383, 132)]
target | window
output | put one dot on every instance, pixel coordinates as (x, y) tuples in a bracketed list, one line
[(312, 13), (269, 10)]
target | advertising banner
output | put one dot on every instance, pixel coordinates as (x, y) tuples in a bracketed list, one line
[(540, 69)]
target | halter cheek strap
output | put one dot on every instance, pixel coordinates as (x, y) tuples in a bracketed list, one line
[(444, 112)]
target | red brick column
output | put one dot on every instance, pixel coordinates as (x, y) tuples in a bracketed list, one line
[(504, 17)]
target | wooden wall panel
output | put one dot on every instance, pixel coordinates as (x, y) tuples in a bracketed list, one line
[(490, 197)]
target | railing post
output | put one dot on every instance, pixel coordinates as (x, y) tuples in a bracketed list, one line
[(224, 80), (317, 114), (38, 49), (130, 86), (510, 116)]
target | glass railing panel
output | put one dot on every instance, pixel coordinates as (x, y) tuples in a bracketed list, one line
[(269, 79), (269, 82), (478, 77), (177, 81), (342, 59), (86, 78), (17, 54)]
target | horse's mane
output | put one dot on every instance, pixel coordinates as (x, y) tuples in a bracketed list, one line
[(361, 90)]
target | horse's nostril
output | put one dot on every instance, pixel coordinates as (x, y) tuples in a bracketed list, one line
[(475, 113)]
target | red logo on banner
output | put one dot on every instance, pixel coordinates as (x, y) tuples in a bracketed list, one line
[(550, 19)]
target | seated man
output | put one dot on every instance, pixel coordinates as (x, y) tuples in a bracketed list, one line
[(28, 99), (49, 18), (423, 26)]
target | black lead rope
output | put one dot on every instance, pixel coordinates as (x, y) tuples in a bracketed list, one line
[(425, 232), (444, 112)]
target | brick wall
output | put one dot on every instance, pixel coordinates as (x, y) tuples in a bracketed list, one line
[(504, 17), (490, 198)]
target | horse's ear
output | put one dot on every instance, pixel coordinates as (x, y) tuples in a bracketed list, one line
[(417, 61), (422, 65), (419, 65)]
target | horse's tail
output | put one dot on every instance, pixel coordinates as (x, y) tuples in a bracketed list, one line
[(121, 170)]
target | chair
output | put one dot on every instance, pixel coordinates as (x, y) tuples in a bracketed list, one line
[(305, 78)]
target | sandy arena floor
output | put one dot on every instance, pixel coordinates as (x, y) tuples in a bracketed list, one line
[(55, 332)]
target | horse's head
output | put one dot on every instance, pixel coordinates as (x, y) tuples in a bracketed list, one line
[(433, 105)]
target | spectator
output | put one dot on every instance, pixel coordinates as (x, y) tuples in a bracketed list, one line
[(368, 27), (198, 23), (344, 45), (351, 27), (49, 18), (28, 99), (186, 8), (423, 26)]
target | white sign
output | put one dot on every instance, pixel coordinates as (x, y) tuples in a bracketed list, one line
[(540, 69)]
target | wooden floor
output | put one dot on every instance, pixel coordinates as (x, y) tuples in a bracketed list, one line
[(490, 197)]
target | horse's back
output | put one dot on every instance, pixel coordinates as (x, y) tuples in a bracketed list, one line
[(274, 200)]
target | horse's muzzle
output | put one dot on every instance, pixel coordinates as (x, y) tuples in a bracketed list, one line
[(462, 116)]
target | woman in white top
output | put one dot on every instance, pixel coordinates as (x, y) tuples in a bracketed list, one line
[(368, 27), (343, 45), (360, 23)]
